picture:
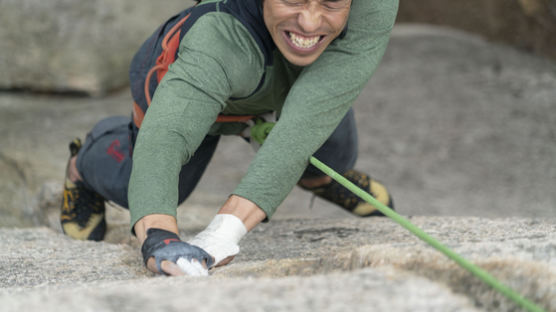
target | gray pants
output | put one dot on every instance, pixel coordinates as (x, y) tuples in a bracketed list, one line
[(105, 159)]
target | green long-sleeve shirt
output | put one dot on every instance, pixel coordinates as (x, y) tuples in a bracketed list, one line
[(218, 70)]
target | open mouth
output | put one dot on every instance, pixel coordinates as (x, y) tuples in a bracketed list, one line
[(302, 42)]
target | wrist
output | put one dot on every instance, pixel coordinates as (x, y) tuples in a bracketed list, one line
[(245, 210), (159, 221), (225, 227), (221, 237)]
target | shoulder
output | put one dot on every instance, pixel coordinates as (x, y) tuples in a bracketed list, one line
[(373, 13), (369, 25), (233, 21), (217, 39), (223, 38)]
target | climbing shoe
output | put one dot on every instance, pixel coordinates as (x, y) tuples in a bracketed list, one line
[(338, 194), (82, 214)]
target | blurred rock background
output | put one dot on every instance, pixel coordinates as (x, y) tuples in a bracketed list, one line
[(74, 46), (85, 46), (528, 25)]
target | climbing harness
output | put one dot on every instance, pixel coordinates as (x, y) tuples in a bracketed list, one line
[(472, 268), (260, 130), (170, 44)]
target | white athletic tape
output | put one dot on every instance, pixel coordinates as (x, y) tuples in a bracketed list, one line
[(221, 237), (191, 268)]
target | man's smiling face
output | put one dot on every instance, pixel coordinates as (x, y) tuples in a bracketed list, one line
[(302, 29)]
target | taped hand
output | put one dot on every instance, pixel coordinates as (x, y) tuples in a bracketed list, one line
[(221, 237), (165, 245)]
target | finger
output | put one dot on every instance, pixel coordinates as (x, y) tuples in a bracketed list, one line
[(204, 263), (225, 261), (151, 265), (187, 267), (167, 267), (200, 268), (171, 268), (190, 268)]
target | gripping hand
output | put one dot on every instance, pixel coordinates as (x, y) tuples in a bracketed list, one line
[(165, 245), (221, 237)]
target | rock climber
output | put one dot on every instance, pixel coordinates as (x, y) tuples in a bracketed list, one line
[(215, 69)]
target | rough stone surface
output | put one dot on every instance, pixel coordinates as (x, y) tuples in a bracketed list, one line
[(456, 126), (318, 293), (526, 24), (80, 46), (299, 265)]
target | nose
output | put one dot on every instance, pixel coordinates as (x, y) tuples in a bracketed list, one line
[(310, 17)]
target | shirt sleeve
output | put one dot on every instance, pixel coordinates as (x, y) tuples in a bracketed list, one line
[(317, 102), (217, 59)]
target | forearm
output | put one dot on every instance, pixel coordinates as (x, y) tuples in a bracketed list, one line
[(248, 212), (315, 106), (185, 105)]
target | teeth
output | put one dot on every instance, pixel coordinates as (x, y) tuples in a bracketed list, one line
[(303, 42)]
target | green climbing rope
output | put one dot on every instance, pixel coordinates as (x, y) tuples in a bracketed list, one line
[(480, 273), (261, 131)]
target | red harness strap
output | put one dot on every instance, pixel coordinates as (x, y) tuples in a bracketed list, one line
[(170, 45)]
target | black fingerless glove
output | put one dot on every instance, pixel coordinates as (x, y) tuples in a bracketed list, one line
[(165, 245)]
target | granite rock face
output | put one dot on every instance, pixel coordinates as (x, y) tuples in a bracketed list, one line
[(526, 24), (77, 46), (460, 129), (296, 265), (86, 46)]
